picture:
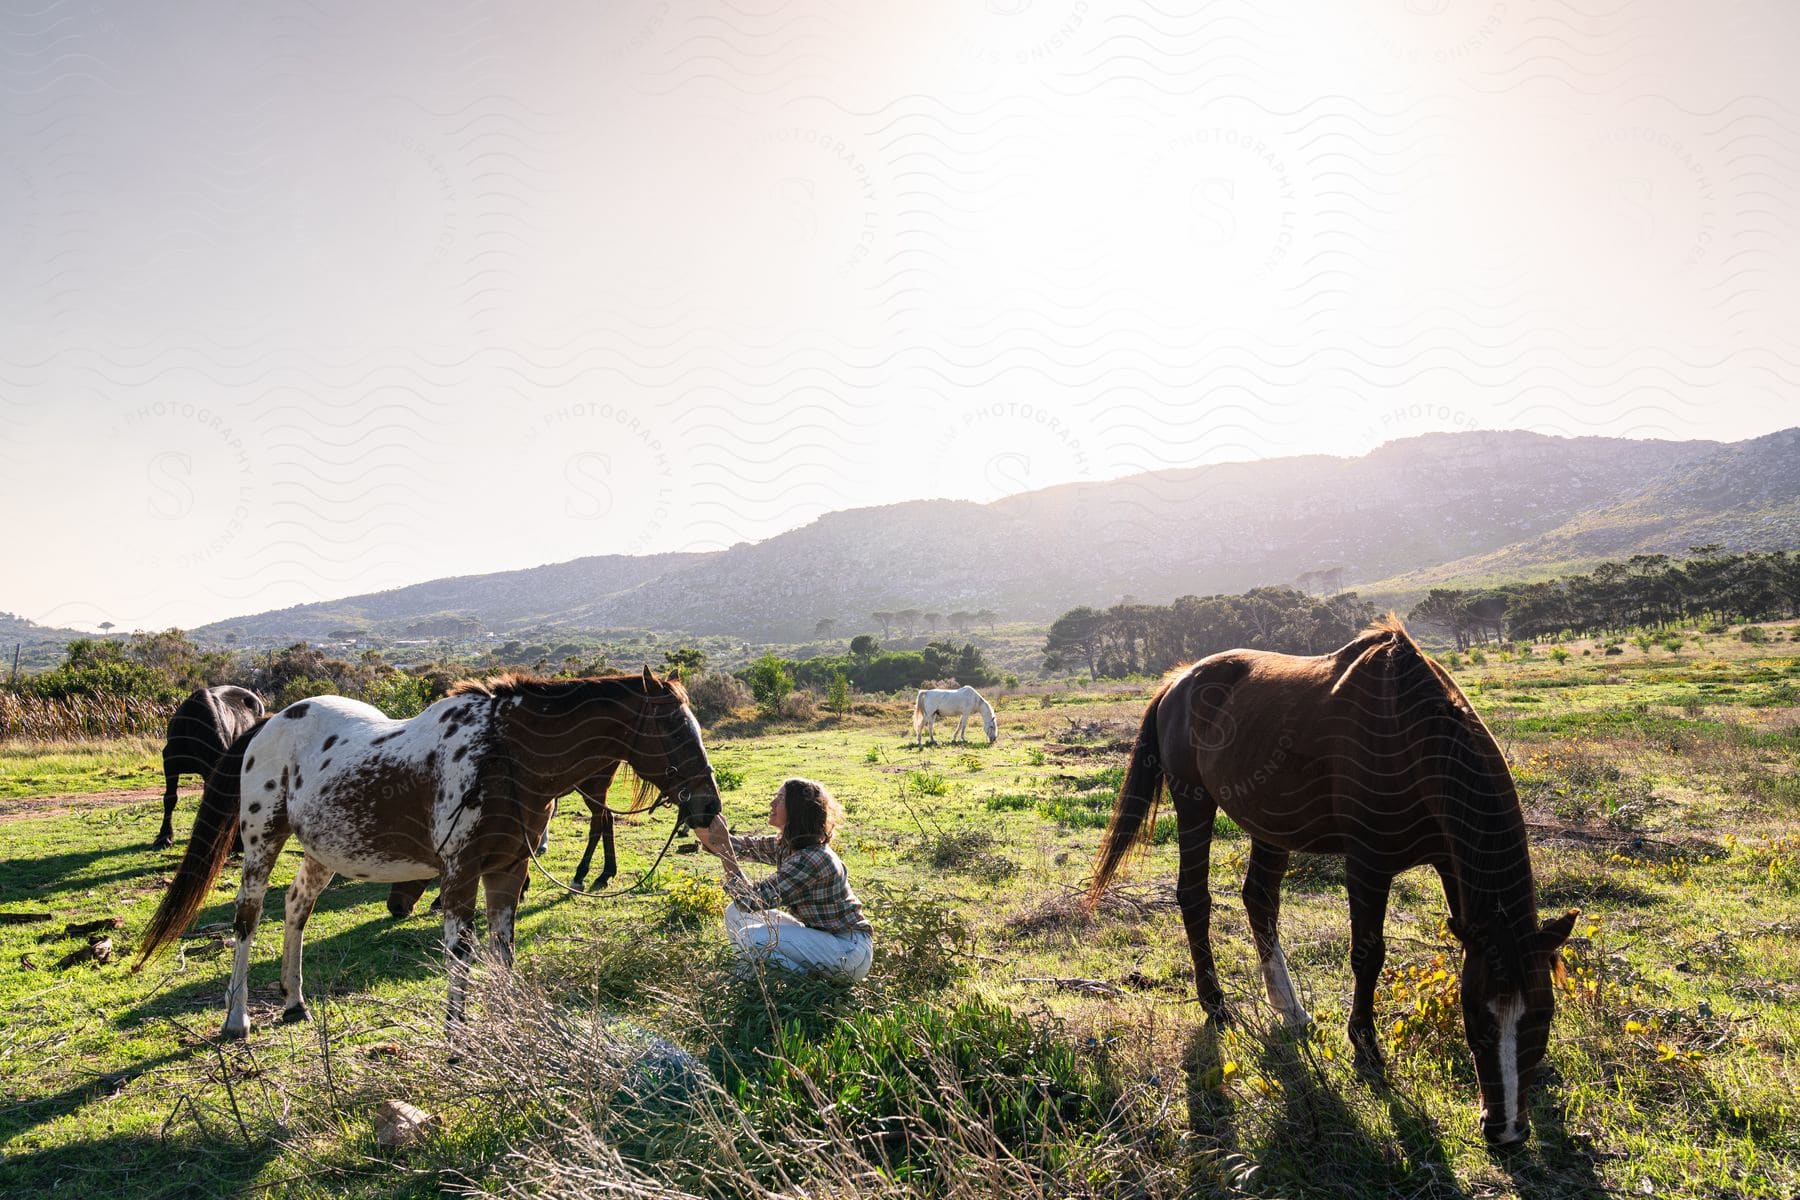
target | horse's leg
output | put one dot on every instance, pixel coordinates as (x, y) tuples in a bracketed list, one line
[(457, 895), (265, 845), (403, 896), (165, 837), (1368, 949), (587, 856), (309, 881), (1262, 903), (543, 846), (962, 729), (503, 889), (1194, 811), (609, 866)]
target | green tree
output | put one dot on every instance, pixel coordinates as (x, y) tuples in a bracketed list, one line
[(689, 660), (837, 694), (864, 646), (769, 683), (1075, 640)]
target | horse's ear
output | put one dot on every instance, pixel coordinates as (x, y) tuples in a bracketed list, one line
[(1459, 931), (675, 675), (649, 679), (1556, 931)]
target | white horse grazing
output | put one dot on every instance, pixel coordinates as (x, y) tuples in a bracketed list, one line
[(963, 702)]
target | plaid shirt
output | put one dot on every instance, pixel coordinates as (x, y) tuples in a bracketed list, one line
[(809, 882)]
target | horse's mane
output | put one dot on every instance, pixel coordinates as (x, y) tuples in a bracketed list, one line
[(521, 683), (1388, 622)]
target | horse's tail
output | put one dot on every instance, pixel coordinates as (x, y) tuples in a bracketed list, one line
[(207, 849), (1134, 815), (918, 712)]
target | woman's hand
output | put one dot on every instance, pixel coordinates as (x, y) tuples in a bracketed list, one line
[(714, 838)]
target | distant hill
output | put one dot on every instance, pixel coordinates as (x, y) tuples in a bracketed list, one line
[(39, 646), (1744, 496), (1407, 506)]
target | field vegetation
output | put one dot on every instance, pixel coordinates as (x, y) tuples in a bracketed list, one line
[(1006, 1042)]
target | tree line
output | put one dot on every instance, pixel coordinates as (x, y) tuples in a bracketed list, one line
[(1147, 639), (1645, 591)]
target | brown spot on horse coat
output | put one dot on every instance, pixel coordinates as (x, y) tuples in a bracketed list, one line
[(256, 806), (294, 712), (329, 743)]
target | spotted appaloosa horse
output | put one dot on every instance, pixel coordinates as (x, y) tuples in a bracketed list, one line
[(203, 726), (463, 790), (1371, 752)]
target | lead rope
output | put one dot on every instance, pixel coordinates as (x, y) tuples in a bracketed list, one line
[(638, 886)]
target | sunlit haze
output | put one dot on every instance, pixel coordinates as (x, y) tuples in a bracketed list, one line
[(308, 300)]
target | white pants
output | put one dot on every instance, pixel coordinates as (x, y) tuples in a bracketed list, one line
[(780, 936)]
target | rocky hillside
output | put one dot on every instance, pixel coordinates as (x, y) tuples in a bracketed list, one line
[(1336, 522), (1744, 496)]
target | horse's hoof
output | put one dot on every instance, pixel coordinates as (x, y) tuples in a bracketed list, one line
[(577, 885), (293, 1014), (163, 842), (235, 1033), (437, 904), (398, 909), (1370, 1067)]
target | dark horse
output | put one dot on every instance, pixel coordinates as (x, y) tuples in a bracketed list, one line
[(462, 790), (1371, 752), (204, 724)]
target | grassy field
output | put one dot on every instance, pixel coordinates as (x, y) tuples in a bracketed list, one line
[(1005, 1041)]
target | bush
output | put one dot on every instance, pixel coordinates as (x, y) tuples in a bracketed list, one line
[(837, 694), (797, 706), (1753, 633), (296, 690), (717, 695), (769, 683), (399, 695), (928, 783)]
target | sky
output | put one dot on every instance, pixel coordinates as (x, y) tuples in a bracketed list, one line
[(304, 300)]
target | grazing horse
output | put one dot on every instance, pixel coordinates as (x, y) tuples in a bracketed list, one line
[(462, 790), (1371, 752), (963, 702), (203, 726)]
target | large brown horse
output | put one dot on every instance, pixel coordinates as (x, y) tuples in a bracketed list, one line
[(1371, 752), (462, 790), (203, 726)]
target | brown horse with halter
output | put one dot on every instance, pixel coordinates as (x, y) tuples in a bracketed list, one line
[(402, 897), (1373, 753), (462, 790)]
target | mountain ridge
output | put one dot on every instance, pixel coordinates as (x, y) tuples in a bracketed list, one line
[(1407, 506)]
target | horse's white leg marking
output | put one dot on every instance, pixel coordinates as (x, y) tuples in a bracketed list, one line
[(309, 881), (459, 934), (962, 729), (1508, 1010), (1281, 989), (258, 861)]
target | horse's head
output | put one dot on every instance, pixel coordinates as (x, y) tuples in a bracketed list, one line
[(669, 753), (987, 722), (1507, 1002)]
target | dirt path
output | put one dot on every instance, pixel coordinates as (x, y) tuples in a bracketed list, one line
[(24, 808)]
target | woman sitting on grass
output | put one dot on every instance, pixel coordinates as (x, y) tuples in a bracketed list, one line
[(823, 927)]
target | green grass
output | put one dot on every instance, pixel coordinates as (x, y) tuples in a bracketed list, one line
[(65, 767), (996, 1004)]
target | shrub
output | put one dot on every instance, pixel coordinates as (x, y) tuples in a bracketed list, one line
[(399, 695), (770, 683), (717, 695), (967, 852), (729, 779), (303, 688), (837, 694), (1560, 655), (1753, 633), (690, 901), (920, 947), (927, 783), (797, 706)]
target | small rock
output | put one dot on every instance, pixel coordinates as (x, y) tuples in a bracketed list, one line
[(399, 1124)]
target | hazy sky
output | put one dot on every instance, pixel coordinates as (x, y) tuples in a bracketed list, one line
[(305, 300)]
